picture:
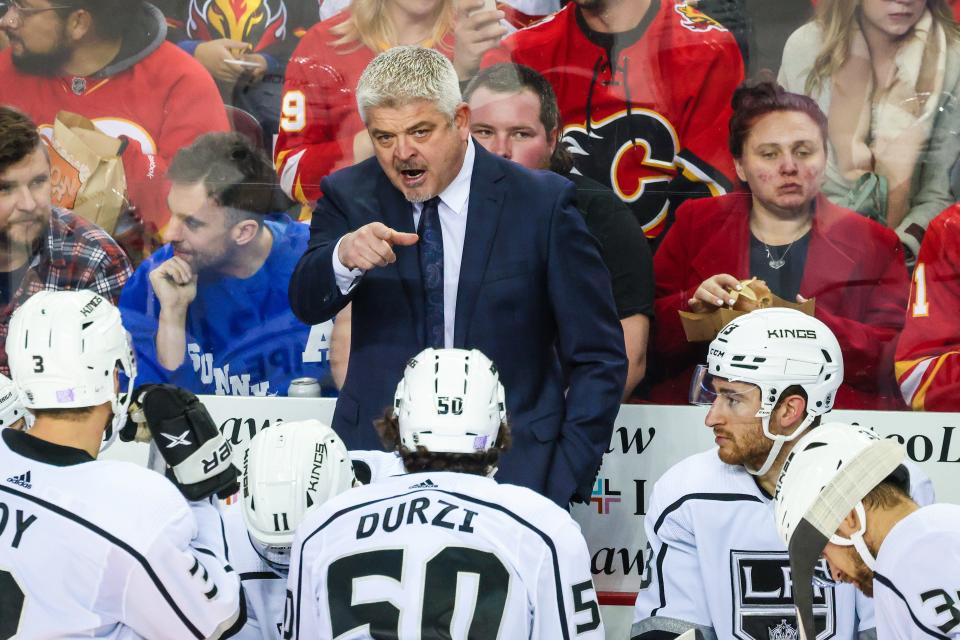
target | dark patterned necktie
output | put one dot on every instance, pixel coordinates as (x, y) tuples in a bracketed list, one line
[(431, 270)]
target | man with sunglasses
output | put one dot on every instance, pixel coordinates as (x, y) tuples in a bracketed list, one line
[(108, 61), (717, 564)]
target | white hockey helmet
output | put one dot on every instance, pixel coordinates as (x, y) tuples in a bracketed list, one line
[(287, 469), (64, 349), (825, 477), (450, 401), (774, 349), (11, 407)]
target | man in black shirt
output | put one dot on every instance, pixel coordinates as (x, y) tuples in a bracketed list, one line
[(514, 114)]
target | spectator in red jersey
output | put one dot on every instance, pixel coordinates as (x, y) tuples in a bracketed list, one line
[(320, 127), (782, 230), (107, 60), (928, 353), (42, 247), (244, 45), (887, 74), (644, 88)]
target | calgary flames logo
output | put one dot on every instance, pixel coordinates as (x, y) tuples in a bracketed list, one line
[(259, 22), (695, 20)]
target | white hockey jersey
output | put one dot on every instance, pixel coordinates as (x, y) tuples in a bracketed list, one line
[(916, 585), (374, 466), (105, 549), (716, 562), (264, 589), (441, 555)]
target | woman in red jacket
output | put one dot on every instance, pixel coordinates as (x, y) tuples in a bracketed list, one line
[(782, 230)]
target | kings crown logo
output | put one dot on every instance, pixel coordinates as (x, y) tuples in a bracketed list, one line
[(784, 631)]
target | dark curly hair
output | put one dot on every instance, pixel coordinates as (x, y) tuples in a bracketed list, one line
[(753, 100), (18, 137), (421, 459)]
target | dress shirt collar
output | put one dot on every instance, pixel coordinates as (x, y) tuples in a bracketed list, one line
[(457, 193)]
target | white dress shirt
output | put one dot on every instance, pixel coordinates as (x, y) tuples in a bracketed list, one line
[(454, 201)]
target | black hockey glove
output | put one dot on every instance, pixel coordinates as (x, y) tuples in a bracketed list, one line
[(198, 457)]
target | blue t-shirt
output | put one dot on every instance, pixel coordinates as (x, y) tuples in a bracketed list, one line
[(242, 337)]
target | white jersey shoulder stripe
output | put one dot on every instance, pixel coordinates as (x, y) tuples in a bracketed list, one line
[(118, 542), (661, 557), (497, 507), (889, 585)]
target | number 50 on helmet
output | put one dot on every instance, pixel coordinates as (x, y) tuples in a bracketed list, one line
[(450, 401)]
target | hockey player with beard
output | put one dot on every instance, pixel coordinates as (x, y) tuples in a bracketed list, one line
[(717, 565), (843, 494)]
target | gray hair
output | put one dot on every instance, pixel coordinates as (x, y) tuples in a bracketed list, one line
[(402, 75)]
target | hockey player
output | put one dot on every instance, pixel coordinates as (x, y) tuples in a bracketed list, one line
[(628, 122), (844, 487), (769, 377), (103, 548), (287, 469), (443, 551), (13, 415), (928, 351)]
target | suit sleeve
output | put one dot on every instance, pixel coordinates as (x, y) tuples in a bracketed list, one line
[(314, 294), (190, 590), (672, 599), (868, 335), (928, 353), (580, 613), (590, 345), (309, 144), (193, 107)]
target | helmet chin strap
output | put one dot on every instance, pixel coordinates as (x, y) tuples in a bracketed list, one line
[(856, 539), (778, 442)]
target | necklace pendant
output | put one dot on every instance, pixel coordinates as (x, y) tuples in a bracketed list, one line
[(777, 264)]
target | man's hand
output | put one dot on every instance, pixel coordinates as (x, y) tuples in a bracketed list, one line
[(476, 31), (371, 246), (213, 55), (175, 284), (714, 292), (255, 74)]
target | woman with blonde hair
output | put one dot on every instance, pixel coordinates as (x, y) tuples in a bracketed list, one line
[(887, 74), (320, 127)]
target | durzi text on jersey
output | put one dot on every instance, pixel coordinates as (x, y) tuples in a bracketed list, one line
[(20, 522), (419, 510)]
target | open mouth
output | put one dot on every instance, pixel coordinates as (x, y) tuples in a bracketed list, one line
[(413, 177)]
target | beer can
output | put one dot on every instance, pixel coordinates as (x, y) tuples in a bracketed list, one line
[(304, 388)]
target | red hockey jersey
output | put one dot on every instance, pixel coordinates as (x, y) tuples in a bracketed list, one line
[(928, 354), (157, 96), (644, 112), (319, 117)]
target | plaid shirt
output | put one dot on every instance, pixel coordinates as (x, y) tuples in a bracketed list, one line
[(75, 254)]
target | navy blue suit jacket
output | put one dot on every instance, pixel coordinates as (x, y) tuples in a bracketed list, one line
[(534, 296)]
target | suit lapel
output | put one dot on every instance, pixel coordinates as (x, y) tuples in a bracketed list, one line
[(397, 214), (722, 251), (483, 218)]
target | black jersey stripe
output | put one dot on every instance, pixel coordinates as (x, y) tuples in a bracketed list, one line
[(497, 507), (662, 556), (889, 585), (142, 561), (260, 575)]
